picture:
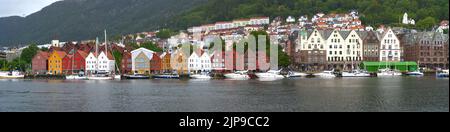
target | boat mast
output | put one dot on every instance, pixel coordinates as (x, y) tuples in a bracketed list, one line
[(73, 58), (96, 55)]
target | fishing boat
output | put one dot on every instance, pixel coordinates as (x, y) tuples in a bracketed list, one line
[(442, 73), (388, 73), (239, 75), (293, 74), (137, 76), (12, 75), (272, 74), (326, 74), (415, 73)]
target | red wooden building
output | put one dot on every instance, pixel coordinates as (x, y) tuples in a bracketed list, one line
[(126, 63), (74, 62), (39, 63), (156, 63)]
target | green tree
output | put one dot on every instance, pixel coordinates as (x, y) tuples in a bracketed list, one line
[(28, 53), (151, 46), (426, 23), (118, 57), (283, 59), (165, 33)]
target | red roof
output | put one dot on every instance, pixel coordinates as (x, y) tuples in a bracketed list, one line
[(61, 54), (42, 54)]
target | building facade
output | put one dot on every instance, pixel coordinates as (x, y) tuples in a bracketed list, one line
[(55, 62), (371, 45), (39, 64), (390, 47), (74, 62), (141, 60)]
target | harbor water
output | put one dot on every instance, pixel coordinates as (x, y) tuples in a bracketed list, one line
[(403, 94)]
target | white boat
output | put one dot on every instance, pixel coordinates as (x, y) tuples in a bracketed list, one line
[(12, 75), (100, 78), (239, 75), (117, 77), (76, 77), (442, 73), (326, 74), (167, 76), (136, 76), (355, 73), (415, 73), (200, 76), (272, 74), (296, 74), (388, 73)]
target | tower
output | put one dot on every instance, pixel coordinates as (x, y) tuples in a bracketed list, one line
[(405, 18)]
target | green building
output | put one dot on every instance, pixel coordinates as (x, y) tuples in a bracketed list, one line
[(401, 66)]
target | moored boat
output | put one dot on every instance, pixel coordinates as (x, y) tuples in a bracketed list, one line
[(272, 74), (415, 73), (388, 73), (200, 76), (355, 73), (326, 74), (76, 77), (167, 76), (292, 74), (239, 75), (12, 75), (137, 76), (442, 73)]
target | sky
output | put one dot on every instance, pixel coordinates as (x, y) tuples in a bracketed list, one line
[(22, 7)]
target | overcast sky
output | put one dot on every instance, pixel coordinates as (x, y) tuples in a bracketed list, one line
[(22, 7)]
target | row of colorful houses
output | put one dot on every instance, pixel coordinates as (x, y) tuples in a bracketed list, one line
[(59, 61), (144, 61), (85, 59)]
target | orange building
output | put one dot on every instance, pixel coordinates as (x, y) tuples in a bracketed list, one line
[(55, 61), (165, 58), (155, 64)]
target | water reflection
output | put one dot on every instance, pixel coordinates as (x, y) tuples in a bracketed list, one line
[(300, 94)]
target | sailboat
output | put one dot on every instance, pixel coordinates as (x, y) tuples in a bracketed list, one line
[(387, 72), (80, 75), (101, 75), (355, 73)]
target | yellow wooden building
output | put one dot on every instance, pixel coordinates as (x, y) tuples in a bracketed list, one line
[(55, 62)]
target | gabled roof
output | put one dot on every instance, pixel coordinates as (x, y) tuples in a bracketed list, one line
[(363, 34), (344, 34), (61, 54), (326, 33), (82, 53), (147, 52), (43, 54)]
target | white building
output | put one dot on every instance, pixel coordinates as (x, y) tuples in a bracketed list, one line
[(390, 47), (140, 60), (336, 47), (354, 47), (55, 43), (101, 63), (194, 62), (310, 41), (290, 19), (205, 61), (406, 20)]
